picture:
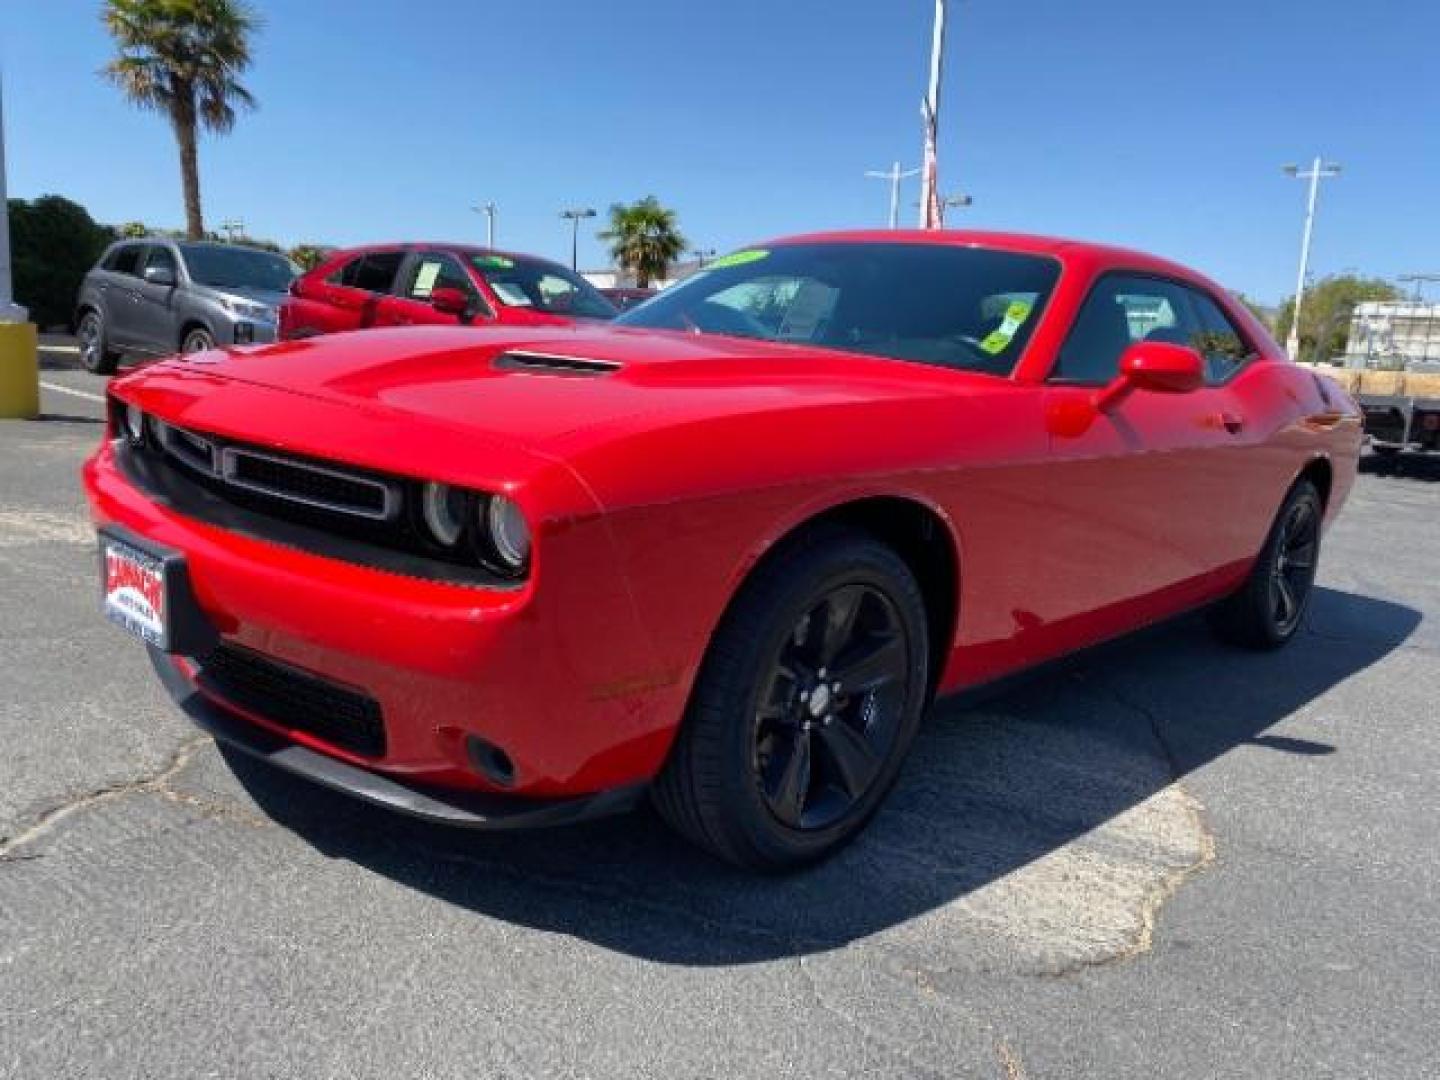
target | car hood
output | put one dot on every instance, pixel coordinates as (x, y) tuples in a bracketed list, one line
[(549, 388), (246, 292)]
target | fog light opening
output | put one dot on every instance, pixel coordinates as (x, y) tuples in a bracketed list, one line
[(490, 761)]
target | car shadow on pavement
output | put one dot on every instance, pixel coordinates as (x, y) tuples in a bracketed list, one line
[(993, 784)]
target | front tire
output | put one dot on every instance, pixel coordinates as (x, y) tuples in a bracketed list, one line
[(96, 356), (806, 703), (1268, 609), (197, 340)]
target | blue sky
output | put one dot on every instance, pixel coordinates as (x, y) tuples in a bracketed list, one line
[(1155, 124)]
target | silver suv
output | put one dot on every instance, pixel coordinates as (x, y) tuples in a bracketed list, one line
[(155, 296)]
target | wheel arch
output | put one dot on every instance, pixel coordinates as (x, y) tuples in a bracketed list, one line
[(1320, 472), (918, 531)]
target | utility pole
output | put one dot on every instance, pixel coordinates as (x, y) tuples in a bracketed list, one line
[(931, 212), (231, 226), (894, 176), (574, 215), (701, 254), (1319, 170), (1419, 281), (488, 209)]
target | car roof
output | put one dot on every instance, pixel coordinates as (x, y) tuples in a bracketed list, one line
[(438, 245), (1028, 243)]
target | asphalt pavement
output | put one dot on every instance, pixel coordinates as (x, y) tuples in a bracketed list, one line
[(1168, 858)]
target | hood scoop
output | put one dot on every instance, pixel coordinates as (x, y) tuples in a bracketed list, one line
[(553, 364)]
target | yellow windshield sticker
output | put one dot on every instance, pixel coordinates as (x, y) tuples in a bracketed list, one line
[(737, 258), (998, 339)]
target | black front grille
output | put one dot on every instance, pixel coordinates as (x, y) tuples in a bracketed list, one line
[(295, 699), (306, 484)]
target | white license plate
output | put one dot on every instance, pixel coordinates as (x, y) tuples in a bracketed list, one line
[(134, 591)]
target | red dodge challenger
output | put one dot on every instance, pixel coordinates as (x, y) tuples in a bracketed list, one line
[(725, 550)]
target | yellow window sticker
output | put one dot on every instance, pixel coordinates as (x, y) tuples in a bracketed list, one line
[(996, 341), (737, 258)]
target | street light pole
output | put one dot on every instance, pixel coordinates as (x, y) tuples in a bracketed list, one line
[(489, 211), (931, 212), (894, 175), (574, 215), (1319, 170)]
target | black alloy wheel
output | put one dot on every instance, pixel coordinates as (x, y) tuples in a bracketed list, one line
[(1267, 611), (1293, 571), (831, 707), (807, 699)]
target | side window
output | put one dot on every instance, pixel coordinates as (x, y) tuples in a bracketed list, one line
[(373, 272), (1217, 340), (1121, 310), (161, 256), (125, 260), (434, 270)]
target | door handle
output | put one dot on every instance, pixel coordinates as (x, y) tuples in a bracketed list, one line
[(1234, 423)]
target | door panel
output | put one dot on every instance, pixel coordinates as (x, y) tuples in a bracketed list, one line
[(155, 325), (352, 296), (122, 297), (1146, 502), (1149, 497), (424, 272)]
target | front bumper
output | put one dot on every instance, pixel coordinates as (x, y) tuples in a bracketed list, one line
[(554, 677), (475, 810)]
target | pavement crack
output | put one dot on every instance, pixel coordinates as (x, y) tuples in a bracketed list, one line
[(156, 783), (1170, 881), (1011, 1067)]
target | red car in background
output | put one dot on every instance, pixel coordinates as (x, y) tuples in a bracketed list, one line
[(726, 551), (444, 284)]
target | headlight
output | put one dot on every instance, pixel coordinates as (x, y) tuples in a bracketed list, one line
[(248, 309), (509, 534), (443, 508), (134, 424)]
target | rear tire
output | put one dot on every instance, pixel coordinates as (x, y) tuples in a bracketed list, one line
[(806, 703), (1268, 609), (96, 356)]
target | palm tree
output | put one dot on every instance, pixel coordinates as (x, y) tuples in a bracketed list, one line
[(644, 239), (182, 58)]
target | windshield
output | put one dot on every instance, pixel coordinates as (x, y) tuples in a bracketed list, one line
[(238, 267), (960, 307), (541, 286)]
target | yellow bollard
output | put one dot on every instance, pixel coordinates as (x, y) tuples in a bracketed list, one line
[(19, 372)]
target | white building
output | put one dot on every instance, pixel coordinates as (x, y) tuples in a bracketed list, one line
[(1394, 333)]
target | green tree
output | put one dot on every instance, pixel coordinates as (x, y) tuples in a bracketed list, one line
[(644, 239), (53, 242), (1325, 315), (308, 256), (1259, 310), (183, 58)]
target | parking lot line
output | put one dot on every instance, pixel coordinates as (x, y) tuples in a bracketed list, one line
[(73, 393)]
